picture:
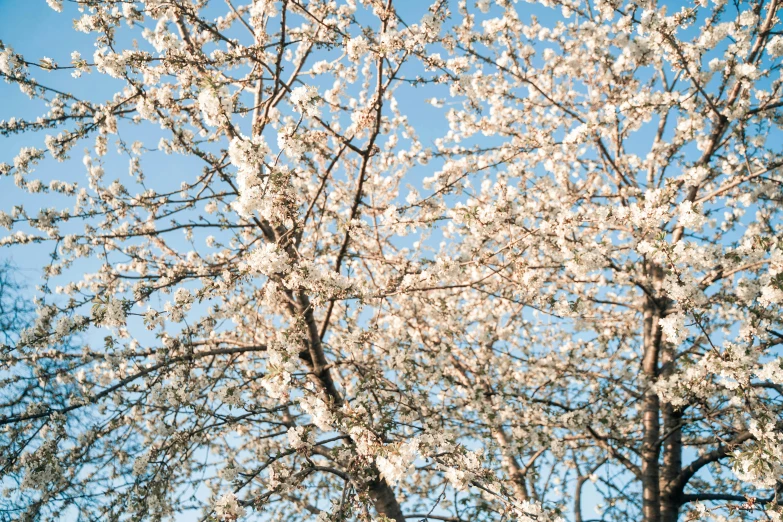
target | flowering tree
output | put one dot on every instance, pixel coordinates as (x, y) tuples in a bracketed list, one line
[(334, 261)]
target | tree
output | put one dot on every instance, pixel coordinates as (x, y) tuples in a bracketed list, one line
[(477, 264)]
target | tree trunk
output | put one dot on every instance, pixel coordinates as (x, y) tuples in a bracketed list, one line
[(672, 448), (651, 501), (384, 500), (672, 464), (650, 469)]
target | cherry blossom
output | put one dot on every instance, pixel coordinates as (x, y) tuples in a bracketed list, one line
[(374, 260)]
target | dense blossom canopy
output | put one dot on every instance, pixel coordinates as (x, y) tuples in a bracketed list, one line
[(380, 260)]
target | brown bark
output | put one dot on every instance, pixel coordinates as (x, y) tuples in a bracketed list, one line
[(672, 463), (672, 448), (384, 500), (651, 500)]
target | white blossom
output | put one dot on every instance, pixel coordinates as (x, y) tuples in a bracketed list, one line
[(227, 507), (674, 328), (305, 99), (268, 260), (215, 105), (775, 46), (356, 47), (57, 5)]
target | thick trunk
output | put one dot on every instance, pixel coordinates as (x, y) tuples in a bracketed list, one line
[(384, 500), (672, 464), (672, 449), (651, 500), (650, 469)]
